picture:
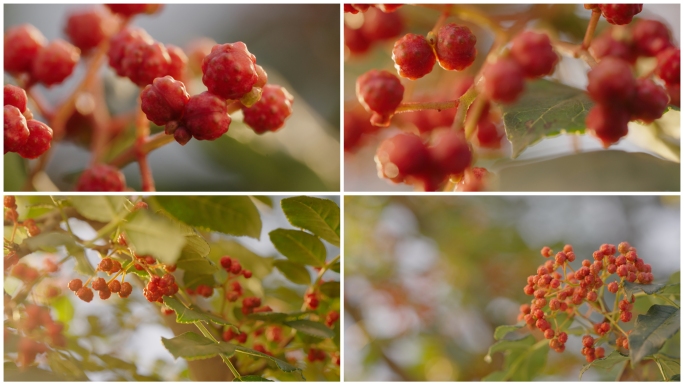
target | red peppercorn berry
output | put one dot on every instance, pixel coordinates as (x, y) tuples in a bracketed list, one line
[(101, 178), (455, 47), (164, 100), (413, 57), (229, 71), (270, 112), (380, 92)]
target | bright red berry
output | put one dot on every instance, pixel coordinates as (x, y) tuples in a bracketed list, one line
[(380, 92), (87, 28), (378, 25), (144, 61), (246, 273), (119, 43), (620, 14), (650, 37), (356, 41), (205, 116), (649, 102), (105, 293), (115, 286), (413, 56), (588, 341), (674, 90), (668, 65), (450, 151), (164, 100), (85, 294), (611, 81), (455, 47), (126, 289), (38, 142), (179, 60), (101, 178), (488, 134), (504, 81), (16, 131), (607, 46), (229, 71), (534, 53), (105, 265), (128, 10), (613, 287), (21, 46), (226, 262), (625, 317), (75, 285), (270, 112), (608, 123), (15, 96), (549, 333), (563, 337), (400, 156), (55, 62), (99, 284)]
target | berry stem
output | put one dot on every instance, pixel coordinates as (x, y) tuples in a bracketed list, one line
[(233, 107), (415, 106), (151, 143), (464, 103), (471, 123), (142, 126), (591, 28)]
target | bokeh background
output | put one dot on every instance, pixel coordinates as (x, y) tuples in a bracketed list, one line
[(428, 279), (568, 22), (298, 46)]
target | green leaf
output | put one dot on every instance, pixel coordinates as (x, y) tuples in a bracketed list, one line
[(311, 328), (650, 289), (193, 314), (265, 200), (31, 207), (607, 363), (50, 241), (299, 246), (495, 376), (192, 279), (505, 345), (503, 330), (294, 272), (652, 330), (331, 289), (13, 373), (283, 366), (545, 109), (269, 317), (335, 267), (592, 171), (319, 216), (99, 208), (251, 378), (232, 215), (66, 365), (671, 366), (156, 235), (191, 346), (194, 256), (64, 308)]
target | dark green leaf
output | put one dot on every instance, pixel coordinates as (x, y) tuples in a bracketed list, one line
[(671, 366), (294, 272), (545, 109), (232, 215), (299, 247), (503, 330), (156, 235), (592, 171), (331, 289), (652, 330), (311, 328), (319, 216), (192, 346), (650, 289), (675, 378), (269, 317), (99, 208), (192, 279), (187, 315), (251, 378), (495, 376), (283, 366), (606, 363), (335, 267)]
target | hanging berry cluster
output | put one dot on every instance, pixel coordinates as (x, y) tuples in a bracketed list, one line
[(556, 288), (37, 333)]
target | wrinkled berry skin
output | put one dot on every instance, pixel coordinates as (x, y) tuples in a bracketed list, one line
[(649, 102), (534, 53), (101, 178), (380, 92), (39, 140), (608, 123), (143, 62), (119, 43), (450, 152), (206, 116), (504, 81), (669, 62), (179, 60), (455, 47), (620, 14), (400, 156), (270, 112), (164, 100), (15, 96), (21, 46), (611, 81), (650, 37), (413, 57), (55, 62), (607, 46), (16, 132), (229, 71), (87, 28)]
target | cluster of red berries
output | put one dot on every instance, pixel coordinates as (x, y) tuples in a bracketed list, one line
[(253, 305), (356, 8), (379, 24), (316, 355), (621, 97), (233, 266), (556, 290), (105, 289), (230, 73), (23, 134), (618, 14), (38, 328), (202, 290), (311, 300), (25, 273), (531, 56), (27, 53), (229, 334), (235, 291), (331, 318), (405, 158), (158, 287), (11, 214)]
